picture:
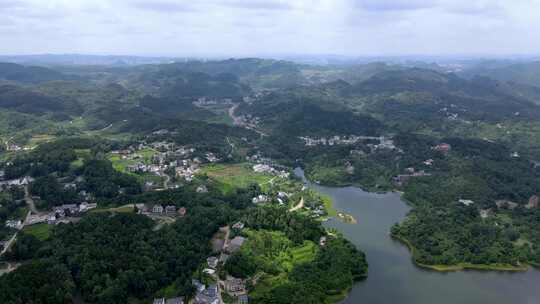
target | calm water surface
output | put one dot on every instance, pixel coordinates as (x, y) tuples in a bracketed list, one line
[(393, 278)]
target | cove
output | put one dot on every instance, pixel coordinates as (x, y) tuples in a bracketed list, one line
[(393, 278)]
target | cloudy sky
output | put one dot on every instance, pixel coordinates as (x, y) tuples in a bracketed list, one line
[(267, 27)]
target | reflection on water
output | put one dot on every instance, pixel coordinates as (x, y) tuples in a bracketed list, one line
[(393, 278)]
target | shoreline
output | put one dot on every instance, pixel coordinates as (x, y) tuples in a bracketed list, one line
[(441, 268), (459, 266)]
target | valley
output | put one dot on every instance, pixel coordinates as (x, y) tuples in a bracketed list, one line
[(188, 169)]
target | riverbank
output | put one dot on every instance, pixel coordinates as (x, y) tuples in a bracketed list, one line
[(331, 212), (459, 266), (439, 268)]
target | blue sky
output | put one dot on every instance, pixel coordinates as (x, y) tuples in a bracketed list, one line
[(268, 27)]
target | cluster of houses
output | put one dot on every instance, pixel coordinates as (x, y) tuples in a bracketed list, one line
[(160, 210), (206, 294), (234, 287), (15, 224), (402, 179), (264, 168), (258, 158), (255, 97), (248, 121), (144, 168), (23, 181), (449, 115), (336, 140), (169, 155), (60, 214), (204, 101), (532, 203), (11, 147)]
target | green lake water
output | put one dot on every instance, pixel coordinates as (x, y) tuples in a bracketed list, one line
[(393, 278)]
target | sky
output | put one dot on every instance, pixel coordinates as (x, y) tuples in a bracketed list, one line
[(270, 27)]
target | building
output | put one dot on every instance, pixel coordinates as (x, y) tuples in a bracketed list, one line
[(36, 219), (444, 147), (170, 210), (157, 209), (234, 286), (212, 262), (242, 299), (466, 202), (141, 209), (235, 244), (533, 202), (238, 225), (175, 301), (428, 162), (15, 224), (198, 285), (202, 189), (506, 204), (84, 206), (260, 199), (159, 301), (208, 296), (322, 241), (484, 213), (67, 210), (209, 271)]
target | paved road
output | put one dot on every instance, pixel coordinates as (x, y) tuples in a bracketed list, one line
[(10, 267), (8, 244), (238, 122), (166, 181), (29, 201)]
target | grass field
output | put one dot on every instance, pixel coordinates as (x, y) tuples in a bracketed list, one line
[(234, 176), (82, 154), (121, 165), (40, 231), (273, 250), (121, 209)]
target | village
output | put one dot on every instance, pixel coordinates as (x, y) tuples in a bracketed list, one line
[(164, 159), (337, 140)]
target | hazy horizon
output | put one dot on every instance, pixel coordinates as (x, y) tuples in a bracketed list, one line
[(271, 28)]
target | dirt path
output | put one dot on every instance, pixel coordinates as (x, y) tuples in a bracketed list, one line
[(270, 181), (299, 206)]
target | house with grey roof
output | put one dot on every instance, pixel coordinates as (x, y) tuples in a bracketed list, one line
[(175, 301), (235, 244), (157, 209)]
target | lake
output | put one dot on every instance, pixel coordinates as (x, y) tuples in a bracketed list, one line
[(393, 278)]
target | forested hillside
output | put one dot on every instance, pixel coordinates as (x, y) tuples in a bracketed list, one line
[(159, 162)]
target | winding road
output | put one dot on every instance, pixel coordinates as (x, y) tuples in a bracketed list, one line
[(299, 206), (237, 121)]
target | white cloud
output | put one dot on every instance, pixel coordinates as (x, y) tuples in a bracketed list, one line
[(251, 27)]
